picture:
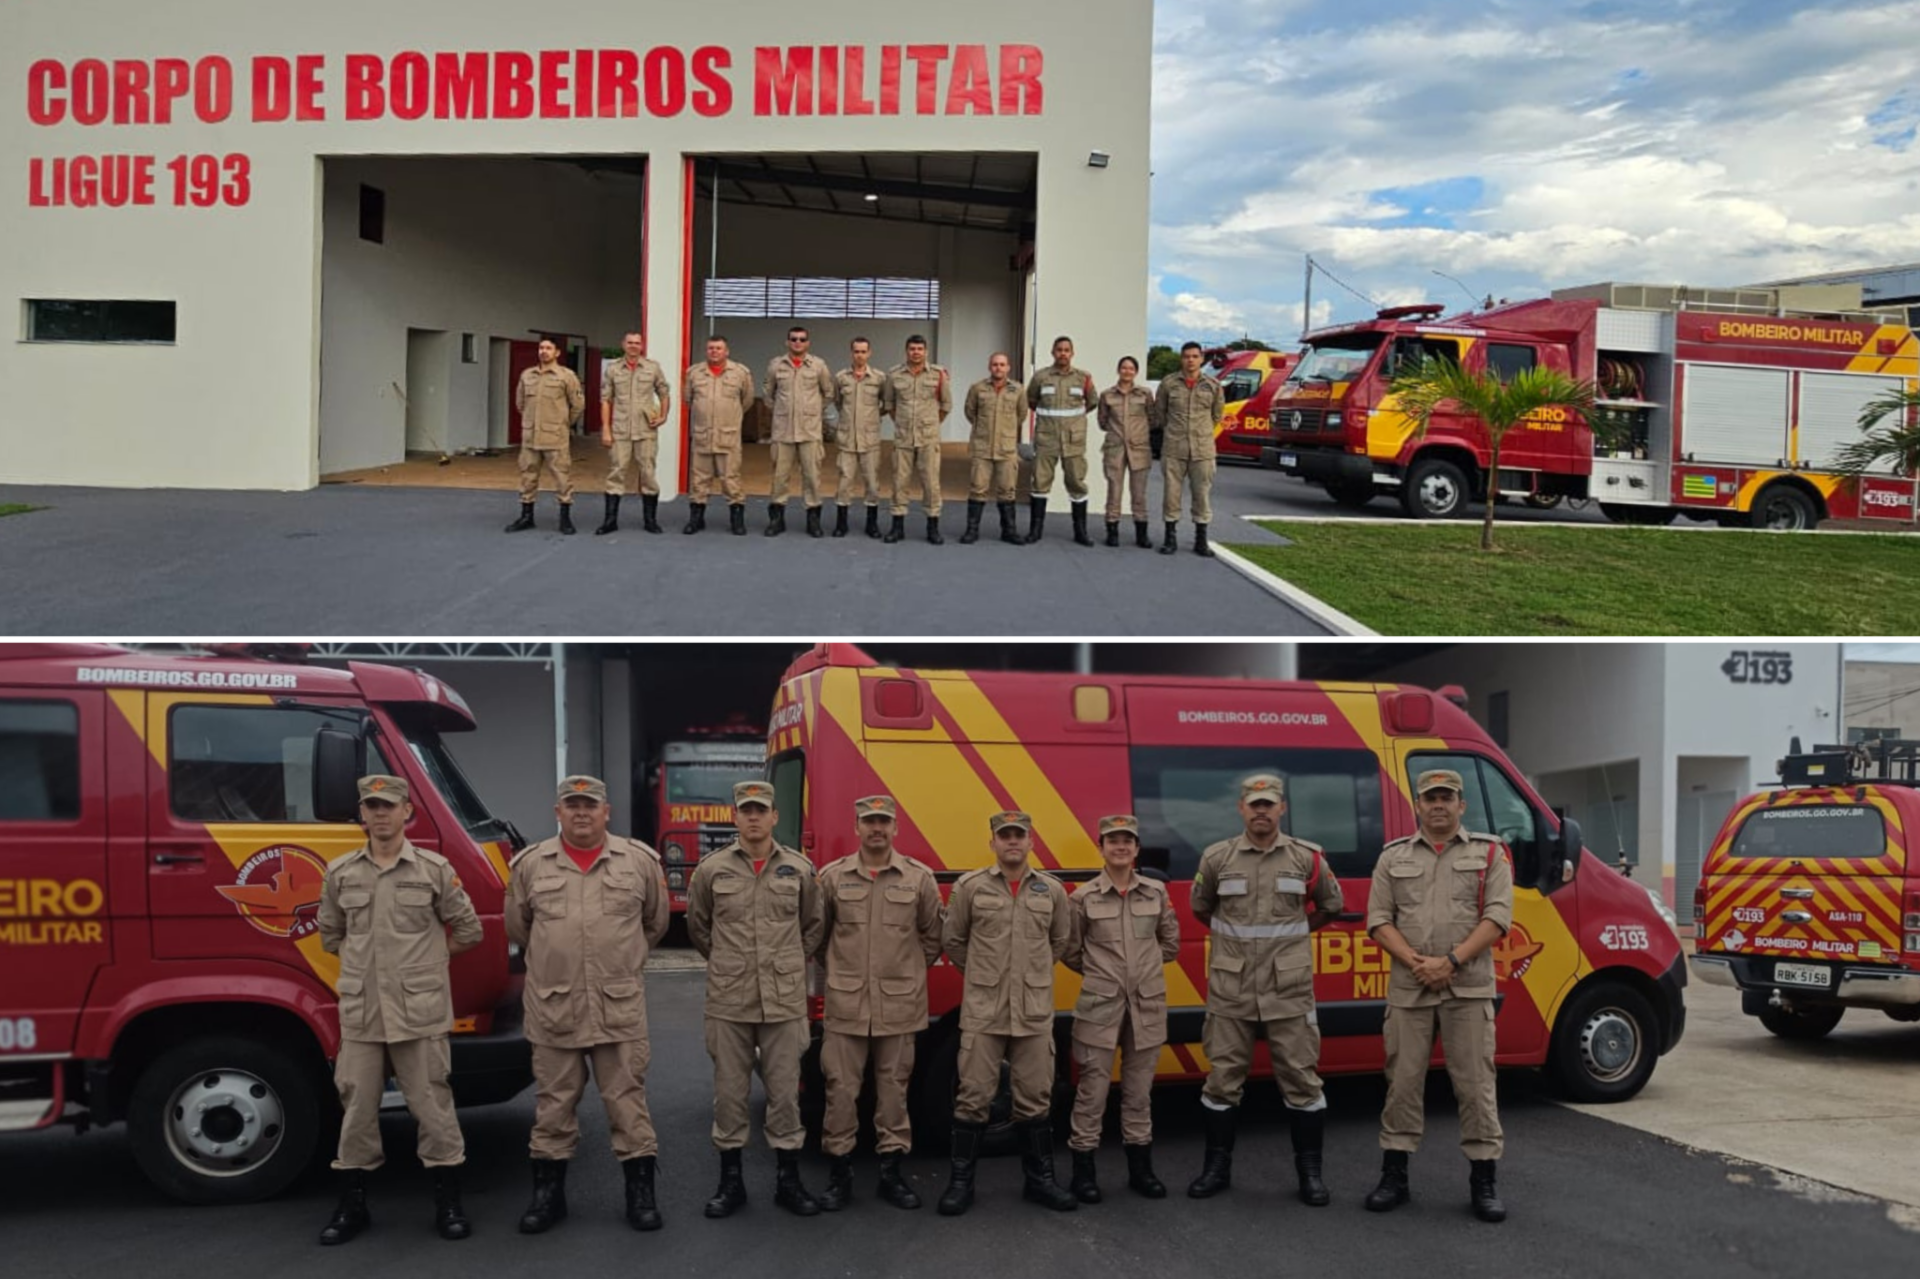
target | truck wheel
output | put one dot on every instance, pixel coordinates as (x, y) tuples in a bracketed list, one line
[(1802, 1023), (1544, 501), (1604, 1044), (223, 1120), (1434, 490), (935, 1087), (1783, 508), (1352, 495)]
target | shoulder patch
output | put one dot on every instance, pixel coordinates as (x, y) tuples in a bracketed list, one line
[(786, 872)]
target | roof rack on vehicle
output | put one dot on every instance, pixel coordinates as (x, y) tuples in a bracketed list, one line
[(1893, 760)]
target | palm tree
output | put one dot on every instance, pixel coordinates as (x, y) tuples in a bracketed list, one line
[(1500, 406), (1897, 443)]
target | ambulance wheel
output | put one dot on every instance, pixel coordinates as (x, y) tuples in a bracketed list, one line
[(1435, 489), (1352, 494), (936, 1086), (1783, 508), (1604, 1044), (1802, 1023), (224, 1120)]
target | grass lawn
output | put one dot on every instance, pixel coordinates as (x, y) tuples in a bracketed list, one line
[(1433, 579), (15, 508)]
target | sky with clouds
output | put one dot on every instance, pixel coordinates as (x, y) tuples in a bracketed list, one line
[(1519, 147)]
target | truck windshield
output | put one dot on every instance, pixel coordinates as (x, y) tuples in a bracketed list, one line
[(1339, 361), (708, 782), (444, 772)]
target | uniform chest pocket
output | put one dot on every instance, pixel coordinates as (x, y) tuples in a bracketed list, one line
[(1038, 906), (1103, 917), (897, 907), (412, 907), (620, 895), (1289, 894), (1467, 875), (783, 895), (1146, 917), (990, 916), (1235, 898), (550, 897), (853, 902), (1409, 884), (355, 902), (729, 896)]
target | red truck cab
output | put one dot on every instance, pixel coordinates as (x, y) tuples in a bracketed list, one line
[(692, 788), (1248, 380)]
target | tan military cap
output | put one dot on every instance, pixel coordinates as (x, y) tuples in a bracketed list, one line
[(873, 806), (581, 784), (1120, 824), (1012, 817), (384, 787), (753, 793), (1438, 779), (1263, 786)]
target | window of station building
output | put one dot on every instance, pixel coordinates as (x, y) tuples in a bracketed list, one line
[(99, 320), (246, 763), (39, 761), (373, 214), (822, 298)]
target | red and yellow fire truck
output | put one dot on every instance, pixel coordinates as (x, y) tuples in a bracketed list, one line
[(1721, 405), (165, 822), (1249, 380), (692, 785), (1808, 903), (1590, 975)]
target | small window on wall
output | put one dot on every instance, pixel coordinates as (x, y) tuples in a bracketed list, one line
[(373, 215), (246, 763), (39, 762), (469, 349), (93, 320)]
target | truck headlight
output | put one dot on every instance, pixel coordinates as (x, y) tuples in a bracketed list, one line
[(677, 879), (675, 852), (1666, 911)]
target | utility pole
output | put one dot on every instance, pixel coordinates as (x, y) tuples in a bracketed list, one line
[(1306, 309)]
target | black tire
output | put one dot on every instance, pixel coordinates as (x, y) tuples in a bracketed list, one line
[(1802, 1023), (930, 1098), (1605, 1044), (1352, 495), (1651, 516), (1783, 508), (1544, 501), (246, 1083), (1435, 489)]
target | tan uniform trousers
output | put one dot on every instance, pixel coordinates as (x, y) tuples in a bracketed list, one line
[(732, 1046), (726, 466), (559, 461), (865, 466), (806, 455), (1073, 464), (560, 1077), (1096, 1081), (992, 481), (909, 462), (1292, 1042), (1183, 472), (1114, 463), (626, 453), (1031, 1059), (843, 1059), (1466, 1037), (421, 1067)]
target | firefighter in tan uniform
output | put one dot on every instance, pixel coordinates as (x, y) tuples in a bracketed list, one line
[(995, 408), (798, 388), (386, 909), (585, 907), (1124, 934), (1126, 450), (862, 396), (753, 912), (1007, 925), (1060, 396), (883, 933), (1189, 405), (1440, 901), (922, 398), (634, 398), (719, 394), (549, 401), (1261, 893)]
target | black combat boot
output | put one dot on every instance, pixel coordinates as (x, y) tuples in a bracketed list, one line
[(897, 531), (788, 1191), (642, 1214), (525, 521), (1141, 538), (933, 531), (1010, 524), (611, 524), (966, 1157), (873, 521), (776, 519), (449, 1218), (650, 512), (974, 511), (1113, 532), (1140, 1178), (1309, 1130), (696, 517), (1036, 518), (1392, 1190), (1216, 1174), (839, 520), (549, 1206), (350, 1216), (1486, 1195), (813, 522), (893, 1187), (1037, 1164), (737, 518), (566, 518), (1200, 546), (1172, 543), (839, 1191), (1085, 1185), (1080, 535), (732, 1193)]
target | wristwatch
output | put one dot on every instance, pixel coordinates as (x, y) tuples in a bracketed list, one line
[(1454, 960)]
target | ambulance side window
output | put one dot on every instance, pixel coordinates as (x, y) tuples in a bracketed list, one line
[(39, 761), (1494, 803), (246, 763)]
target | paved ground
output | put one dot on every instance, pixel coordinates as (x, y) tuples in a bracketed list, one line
[(1587, 1197)]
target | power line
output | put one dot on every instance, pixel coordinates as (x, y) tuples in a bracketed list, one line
[(1343, 284)]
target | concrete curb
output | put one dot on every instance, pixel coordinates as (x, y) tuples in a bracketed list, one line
[(1688, 527), (1311, 606)]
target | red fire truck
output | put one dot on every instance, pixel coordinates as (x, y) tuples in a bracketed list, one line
[(165, 822), (1722, 405), (692, 785), (1249, 380)]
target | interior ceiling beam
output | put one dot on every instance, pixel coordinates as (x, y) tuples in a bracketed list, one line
[(883, 187)]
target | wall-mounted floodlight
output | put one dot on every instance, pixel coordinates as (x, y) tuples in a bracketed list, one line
[(1097, 159), (871, 198)]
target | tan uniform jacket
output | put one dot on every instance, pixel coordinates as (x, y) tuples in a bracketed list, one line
[(996, 418), (390, 930), (1061, 396), (1261, 967), (586, 935), (1126, 419), (549, 401), (1121, 944), (1188, 415), (882, 935), (921, 402), (640, 395), (718, 406), (1435, 899), (862, 402), (798, 398), (755, 931), (1006, 946)]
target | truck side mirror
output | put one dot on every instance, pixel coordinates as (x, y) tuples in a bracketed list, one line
[(1565, 851), (338, 759)]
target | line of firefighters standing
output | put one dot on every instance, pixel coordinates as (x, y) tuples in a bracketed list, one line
[(586, 907), (810, 404)]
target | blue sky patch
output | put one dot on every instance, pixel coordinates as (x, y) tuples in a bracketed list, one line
[(1895, 121), (1429, 204)]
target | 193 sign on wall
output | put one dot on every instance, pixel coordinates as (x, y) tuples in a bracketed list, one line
[(1758, 666)]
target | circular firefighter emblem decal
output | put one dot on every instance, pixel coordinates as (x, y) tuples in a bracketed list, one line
[(277, 890)]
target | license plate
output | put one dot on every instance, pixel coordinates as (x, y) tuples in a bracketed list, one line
[(1289, 459), (1803, 974)]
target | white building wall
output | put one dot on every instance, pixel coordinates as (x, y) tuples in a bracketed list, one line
[(1884, 695)]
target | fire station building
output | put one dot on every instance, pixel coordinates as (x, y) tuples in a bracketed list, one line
[(254, 244)]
